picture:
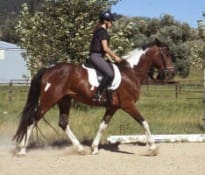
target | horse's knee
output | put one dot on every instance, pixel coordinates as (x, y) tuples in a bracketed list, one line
[(63, 121)]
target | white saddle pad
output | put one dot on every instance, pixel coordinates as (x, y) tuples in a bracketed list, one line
[(93, 78)]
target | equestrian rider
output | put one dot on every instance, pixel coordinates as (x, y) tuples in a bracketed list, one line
[(99, 48)]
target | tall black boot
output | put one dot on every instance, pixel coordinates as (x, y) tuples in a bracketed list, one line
[(99, 92), (109, 97)]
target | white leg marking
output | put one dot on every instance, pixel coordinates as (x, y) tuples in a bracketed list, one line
[(96, 141), (73, 139), (47, 86), (92, 88), (148, 135), (24, 142)]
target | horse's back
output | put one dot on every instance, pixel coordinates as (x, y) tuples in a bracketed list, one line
[(62, 73), (63, 67)]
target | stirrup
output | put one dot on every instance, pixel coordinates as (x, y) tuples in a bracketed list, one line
[(99, 98), (96, 98)]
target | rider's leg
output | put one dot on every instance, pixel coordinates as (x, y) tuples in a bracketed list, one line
[(106, 70), (103, 85)]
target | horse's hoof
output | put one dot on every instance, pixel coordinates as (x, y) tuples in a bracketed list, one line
[(152, 152), (155, 151), (95, 150), (83, 151), (19, 153)]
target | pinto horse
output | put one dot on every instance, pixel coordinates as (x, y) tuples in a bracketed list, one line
[(63, 82)]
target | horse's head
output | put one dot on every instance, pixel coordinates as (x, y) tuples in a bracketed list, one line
[(153, 55), (162, 60)]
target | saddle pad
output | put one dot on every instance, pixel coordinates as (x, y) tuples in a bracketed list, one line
[(93, 79)]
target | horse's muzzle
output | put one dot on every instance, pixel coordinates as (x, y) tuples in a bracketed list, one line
[(166, 74)]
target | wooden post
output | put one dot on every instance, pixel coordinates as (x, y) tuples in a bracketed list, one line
[(204, 98), (10, 91), (176, 90), (204, 80)]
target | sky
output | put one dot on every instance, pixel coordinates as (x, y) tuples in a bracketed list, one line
[(188, 11)]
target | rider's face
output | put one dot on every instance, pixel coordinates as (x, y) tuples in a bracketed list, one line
[(109, 24)]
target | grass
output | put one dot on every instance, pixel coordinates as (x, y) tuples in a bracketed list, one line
[(165, 113)]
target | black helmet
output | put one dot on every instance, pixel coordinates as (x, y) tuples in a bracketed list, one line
[(107, 16)]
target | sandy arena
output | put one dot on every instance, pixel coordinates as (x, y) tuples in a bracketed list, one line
[(173, 159)]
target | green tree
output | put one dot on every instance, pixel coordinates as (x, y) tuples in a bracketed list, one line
[(9, 11), (60, 31), (197, 53), (198, 46), (201, 29), (137, 31), (8, 30)]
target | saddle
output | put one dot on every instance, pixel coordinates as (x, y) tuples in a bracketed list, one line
[(95, 77)]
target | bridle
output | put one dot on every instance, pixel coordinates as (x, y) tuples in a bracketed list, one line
[(166, 70)]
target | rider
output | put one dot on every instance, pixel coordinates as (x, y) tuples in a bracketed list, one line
[(99, 48)]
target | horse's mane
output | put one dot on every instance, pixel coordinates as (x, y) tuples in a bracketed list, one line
[(156, 42), (147, 45), (132, 58)]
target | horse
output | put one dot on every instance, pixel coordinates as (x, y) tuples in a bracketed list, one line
[(59, 84)]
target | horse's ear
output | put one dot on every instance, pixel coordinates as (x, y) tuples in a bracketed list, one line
[(158, 42)]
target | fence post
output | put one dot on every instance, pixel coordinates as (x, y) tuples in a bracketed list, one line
[(10, 91), (176, 89), (204, 113), (204, 99)]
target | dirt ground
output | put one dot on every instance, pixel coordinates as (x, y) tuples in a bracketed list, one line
[(173, 159)]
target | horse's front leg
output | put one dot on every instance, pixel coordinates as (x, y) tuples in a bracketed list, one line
[(131, 109), (149, 138), (103, 125)]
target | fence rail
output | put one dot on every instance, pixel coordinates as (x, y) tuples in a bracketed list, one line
[(193, 87), (14, 82)]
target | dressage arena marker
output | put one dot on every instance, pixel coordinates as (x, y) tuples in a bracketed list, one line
[(170, 138)]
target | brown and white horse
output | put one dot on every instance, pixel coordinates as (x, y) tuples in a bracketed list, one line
[(63, 82)]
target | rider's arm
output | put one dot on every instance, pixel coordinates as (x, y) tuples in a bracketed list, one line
[(109, 52), (109, 58)]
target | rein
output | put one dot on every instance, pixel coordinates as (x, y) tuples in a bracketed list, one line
[(149, 72)]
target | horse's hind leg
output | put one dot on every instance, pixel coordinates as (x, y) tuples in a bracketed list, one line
[(64, 107), (24, 142), (25, 139), (103, 125), (37, 115)]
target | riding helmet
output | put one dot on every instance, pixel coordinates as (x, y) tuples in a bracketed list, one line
[(108, 16)]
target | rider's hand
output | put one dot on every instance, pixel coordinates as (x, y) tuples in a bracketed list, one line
[(118, 59)]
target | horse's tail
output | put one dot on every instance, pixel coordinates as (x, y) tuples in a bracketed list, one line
[(30, 109)]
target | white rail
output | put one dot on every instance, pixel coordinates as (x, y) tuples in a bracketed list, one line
[(158, 138)]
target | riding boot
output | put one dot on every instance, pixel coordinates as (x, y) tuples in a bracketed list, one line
[(99, 92), (97, 96), (109, 97)]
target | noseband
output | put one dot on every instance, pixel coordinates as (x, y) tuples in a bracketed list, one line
[(166, 68)]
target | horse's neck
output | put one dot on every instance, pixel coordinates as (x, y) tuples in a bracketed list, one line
[(143, 67)]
